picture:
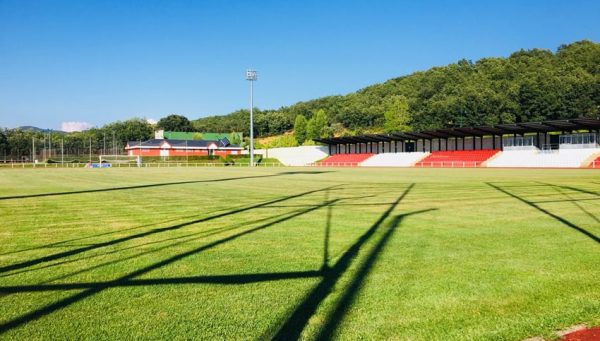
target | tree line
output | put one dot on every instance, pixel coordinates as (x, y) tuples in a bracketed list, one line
[(20, 144), (529, 85)]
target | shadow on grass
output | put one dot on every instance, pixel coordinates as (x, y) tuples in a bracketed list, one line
[(214, 279), (548, 213), (69, 253), (564, 200), (571, 188), (96, 287), (63, 243), (110, 189), (341, 308), (560, 189), (188, 238), (297, 320)]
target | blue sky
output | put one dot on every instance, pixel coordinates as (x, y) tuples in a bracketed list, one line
[(101, 61)]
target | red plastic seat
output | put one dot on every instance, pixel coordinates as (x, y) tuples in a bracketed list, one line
[(457, 158), (345, 160)]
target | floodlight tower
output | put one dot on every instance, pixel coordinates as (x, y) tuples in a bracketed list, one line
[(251, 76)]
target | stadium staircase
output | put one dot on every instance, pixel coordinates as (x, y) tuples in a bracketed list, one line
[(595, 163), (457, 158), (394, 159), (562, 158), (344, 160)]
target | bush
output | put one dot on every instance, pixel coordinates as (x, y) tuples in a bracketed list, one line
[(191, 158), (66, 161), (228, 160)]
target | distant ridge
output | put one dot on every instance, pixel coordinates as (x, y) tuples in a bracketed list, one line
[(40, 130)]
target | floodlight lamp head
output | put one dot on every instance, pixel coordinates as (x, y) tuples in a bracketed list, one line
[(251, 75)]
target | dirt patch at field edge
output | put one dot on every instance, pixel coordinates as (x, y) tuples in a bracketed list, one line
[(575, 333), (591, 334)]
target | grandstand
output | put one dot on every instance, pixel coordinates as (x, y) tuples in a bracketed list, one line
[(549, 144)]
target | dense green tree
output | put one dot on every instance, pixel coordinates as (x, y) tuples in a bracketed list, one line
[(397, 117), (4, 146), (300, 129), (235, 138), (135, 129), (175, 123), (317, 125), (278, 123), (20, 143), (310, 129), (261, 125)]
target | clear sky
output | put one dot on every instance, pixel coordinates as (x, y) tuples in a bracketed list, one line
[(100, 61)]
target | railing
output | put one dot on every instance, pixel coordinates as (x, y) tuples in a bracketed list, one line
[(22, 165), (204, 164), (518, 143), (334, 164), (449, 164), (520, 147), (42, 165), (549, 147), (439, 164)]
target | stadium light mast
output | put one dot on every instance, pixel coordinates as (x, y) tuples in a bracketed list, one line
[(251, 76)]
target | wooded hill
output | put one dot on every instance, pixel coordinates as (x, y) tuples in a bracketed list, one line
[(529, 85)]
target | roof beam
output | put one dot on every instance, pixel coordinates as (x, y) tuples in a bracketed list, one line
[(557, 127), (490, 130), (588, 123), (468, 131)]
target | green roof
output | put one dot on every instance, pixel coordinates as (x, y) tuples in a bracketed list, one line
[(182, 135)]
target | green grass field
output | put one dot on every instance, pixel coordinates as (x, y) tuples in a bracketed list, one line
[(229, 253)]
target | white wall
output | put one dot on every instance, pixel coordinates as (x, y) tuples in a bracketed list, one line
[(295, 156), (571, 158)]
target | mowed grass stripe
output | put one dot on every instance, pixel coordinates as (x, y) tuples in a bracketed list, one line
[(475, 263)]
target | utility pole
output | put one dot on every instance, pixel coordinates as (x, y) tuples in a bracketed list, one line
[(62, 151), (251, 76), (33, 150)]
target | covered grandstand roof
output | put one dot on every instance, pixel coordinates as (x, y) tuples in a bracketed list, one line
[(495, 129)]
